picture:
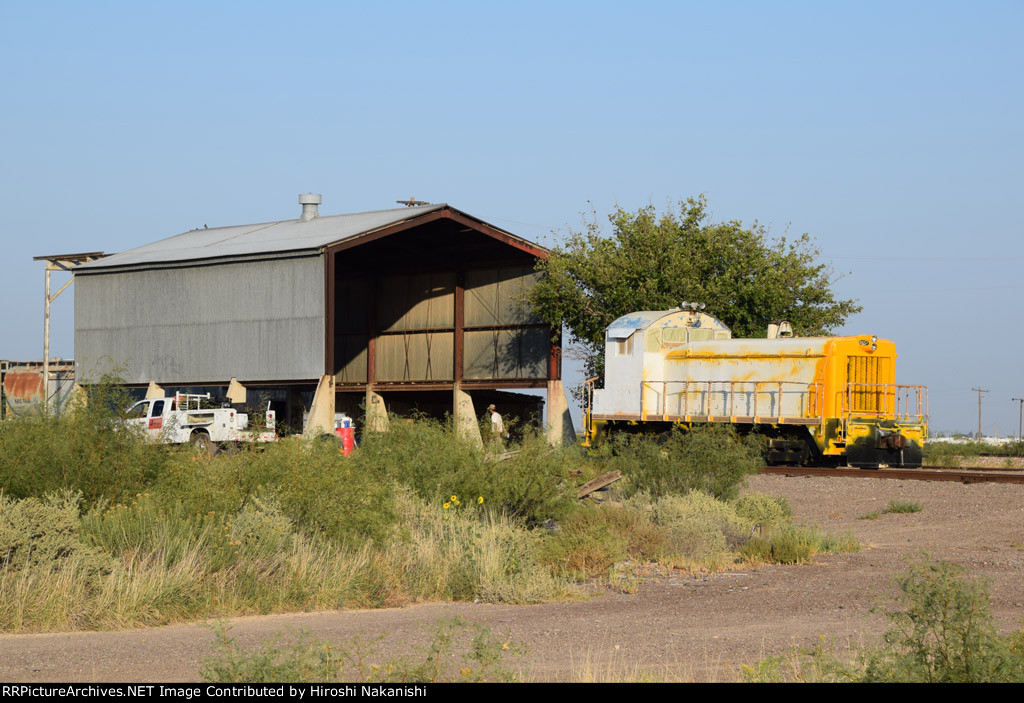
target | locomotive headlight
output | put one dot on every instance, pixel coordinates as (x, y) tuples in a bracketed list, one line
[(874, 347), (873, 340)]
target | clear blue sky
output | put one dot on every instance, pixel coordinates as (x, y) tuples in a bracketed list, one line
[(890, 131)]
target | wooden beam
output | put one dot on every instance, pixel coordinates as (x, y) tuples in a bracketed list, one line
[(598, 483)]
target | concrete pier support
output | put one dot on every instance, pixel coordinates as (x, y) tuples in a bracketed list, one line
[(376, 413), (321, 412), (78, 399), (236, 391), (464, 417), (559, 427)]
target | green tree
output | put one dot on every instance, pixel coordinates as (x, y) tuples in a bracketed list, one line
[(654, 261)]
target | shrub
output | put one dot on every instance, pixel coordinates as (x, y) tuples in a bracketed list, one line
[(426, 455), (458, 652), (168, 535), (312, 485), (944, 632), (903, 506), (710, 458), (585, 544), (260, 529), (87, 449), (468, 552), (43, 533), (763, 509), (697, 526), (795, 544)]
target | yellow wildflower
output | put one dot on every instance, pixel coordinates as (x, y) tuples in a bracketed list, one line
[(480, 499), (447, 505)]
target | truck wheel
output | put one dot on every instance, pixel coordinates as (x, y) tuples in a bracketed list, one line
[(228, 447), (200, 442)]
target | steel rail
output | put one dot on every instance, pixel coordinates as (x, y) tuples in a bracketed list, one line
[(946, 474)]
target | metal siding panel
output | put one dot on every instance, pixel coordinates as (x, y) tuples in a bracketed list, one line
[(482, 297), (257, 321), (417, 301), (507, 354), (415, 357), (494, 295), (350, 350), (390, 364), (535, 348), (479, 355)]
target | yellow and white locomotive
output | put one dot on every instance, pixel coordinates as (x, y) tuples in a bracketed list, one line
[(815, 399)]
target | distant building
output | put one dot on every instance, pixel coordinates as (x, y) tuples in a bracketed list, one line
[(21, 385)]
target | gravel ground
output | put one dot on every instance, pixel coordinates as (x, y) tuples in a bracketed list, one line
[(683, 627)]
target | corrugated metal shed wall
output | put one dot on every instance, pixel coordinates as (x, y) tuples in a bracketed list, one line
[(409, 302), (494, 296), (256, 321)]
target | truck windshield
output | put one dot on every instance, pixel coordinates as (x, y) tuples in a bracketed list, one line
[(137, 411)]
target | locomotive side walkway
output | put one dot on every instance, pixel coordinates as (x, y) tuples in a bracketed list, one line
[(680, 628)]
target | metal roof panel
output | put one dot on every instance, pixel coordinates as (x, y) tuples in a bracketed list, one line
[(261, 238)]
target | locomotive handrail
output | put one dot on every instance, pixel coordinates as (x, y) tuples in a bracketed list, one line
[(811, 402), (588, 406), (889, 400)]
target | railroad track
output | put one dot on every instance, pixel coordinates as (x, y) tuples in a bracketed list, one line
[(931, 474)]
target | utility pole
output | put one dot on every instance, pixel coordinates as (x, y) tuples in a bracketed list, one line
[(980, 391), (1020, 419)]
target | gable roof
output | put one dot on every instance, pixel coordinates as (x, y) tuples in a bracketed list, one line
[(289, 238)]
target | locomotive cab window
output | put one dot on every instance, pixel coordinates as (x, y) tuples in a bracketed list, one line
[(624, 347)]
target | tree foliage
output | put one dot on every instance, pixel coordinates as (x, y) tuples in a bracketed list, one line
[(655, 261)]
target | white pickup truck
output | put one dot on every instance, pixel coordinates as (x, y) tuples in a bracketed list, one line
[(181, 418)]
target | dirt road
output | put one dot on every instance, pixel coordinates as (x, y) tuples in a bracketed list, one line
[(676, 628)]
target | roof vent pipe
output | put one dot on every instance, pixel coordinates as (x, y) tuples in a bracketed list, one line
[(309, 201)]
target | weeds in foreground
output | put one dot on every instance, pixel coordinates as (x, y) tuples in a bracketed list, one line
[(459, 651), (796, 544), (895, 507), (712, 459), (903, 506), (116, 533), (941, 631)]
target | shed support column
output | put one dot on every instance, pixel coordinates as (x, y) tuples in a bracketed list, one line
[(466, 425), (376, 413), (77, 398), (236, 391), (321, 412), (559, 425), (154, 391)]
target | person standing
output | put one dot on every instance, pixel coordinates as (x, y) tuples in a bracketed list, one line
[(497, 426)]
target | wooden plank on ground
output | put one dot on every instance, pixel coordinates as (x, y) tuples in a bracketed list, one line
[(598, 483)]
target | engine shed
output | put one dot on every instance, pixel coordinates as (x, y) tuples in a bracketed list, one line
[(411, 308)]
